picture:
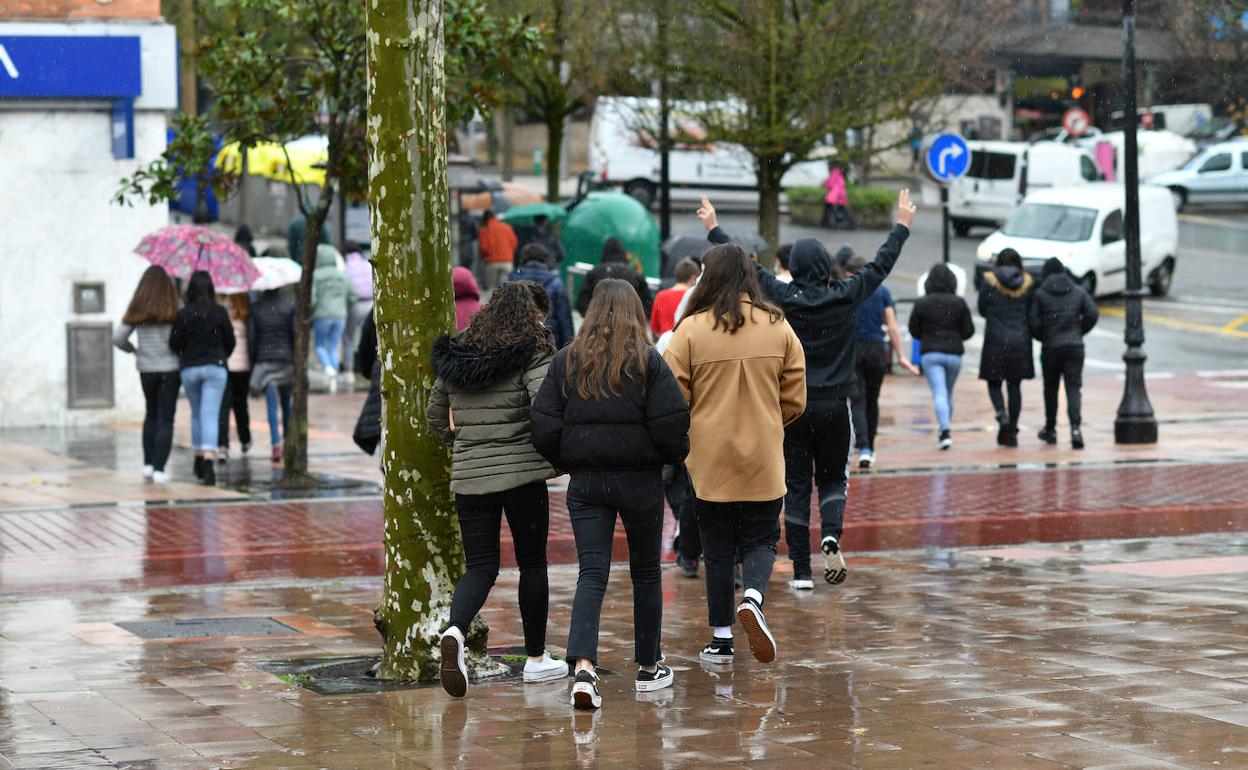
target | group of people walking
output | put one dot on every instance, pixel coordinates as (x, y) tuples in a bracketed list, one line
[(747, 357)]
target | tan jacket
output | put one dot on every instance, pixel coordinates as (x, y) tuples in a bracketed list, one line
[(742, 390)]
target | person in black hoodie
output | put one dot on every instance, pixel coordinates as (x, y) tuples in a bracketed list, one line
[(1061, 314), (203, 338), (1005, 302), (271, 340), (822, 312), (614, 264), (611, 414), (941, 321)]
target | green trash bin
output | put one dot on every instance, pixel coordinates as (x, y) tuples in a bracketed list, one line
[(602, 215)]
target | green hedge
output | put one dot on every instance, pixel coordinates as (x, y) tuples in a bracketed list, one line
[(871, 207)]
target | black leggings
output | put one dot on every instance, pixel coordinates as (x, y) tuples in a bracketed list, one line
[(816, 448), (871, 359), (1014, 388), (235, 398), (160, 391), (527, 509)]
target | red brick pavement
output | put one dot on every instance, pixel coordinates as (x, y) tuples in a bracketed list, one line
[(136, 547)]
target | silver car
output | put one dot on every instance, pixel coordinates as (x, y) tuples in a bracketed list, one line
[(1218, 174)]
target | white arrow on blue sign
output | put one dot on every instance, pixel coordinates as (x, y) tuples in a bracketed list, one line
[(948, 157)]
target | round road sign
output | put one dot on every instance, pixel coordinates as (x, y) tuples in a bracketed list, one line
[(1076, 122)]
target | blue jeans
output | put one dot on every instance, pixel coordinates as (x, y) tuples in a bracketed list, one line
[(328, 333), (205, 386), (941, 370), (272, 395)]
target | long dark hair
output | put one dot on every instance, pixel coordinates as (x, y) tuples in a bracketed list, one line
[(510, 318), (727, 273), (200, 293), (155, 300), (612, 343)]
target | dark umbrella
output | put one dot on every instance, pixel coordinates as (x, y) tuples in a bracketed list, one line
[(680, 247)]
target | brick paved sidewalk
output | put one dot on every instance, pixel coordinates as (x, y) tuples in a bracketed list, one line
[(1123, 654)]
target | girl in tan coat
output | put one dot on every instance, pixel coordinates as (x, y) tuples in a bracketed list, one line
[(743, 372)]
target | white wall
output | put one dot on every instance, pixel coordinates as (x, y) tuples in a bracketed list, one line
[(57, 180)]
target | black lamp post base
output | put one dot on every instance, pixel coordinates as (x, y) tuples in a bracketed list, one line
[(1135, 430)]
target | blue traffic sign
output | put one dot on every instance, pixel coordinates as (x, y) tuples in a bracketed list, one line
[(53, 67), (948, 157)]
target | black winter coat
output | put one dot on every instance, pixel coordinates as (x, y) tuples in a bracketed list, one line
[(822, 311), (271, 330), (1004, 302), (202, 340), (1061, 313), (643, 428), (940, 319), (621, 270)]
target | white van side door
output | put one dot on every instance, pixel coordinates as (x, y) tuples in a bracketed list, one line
[(1113, 252)]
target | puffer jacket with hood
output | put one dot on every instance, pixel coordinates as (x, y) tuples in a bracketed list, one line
[(491, 397), (822, 310), (1004, 302), (559, 321), (1061, 312), (467, 297), (331, 289), (271, 329), (941, 319)]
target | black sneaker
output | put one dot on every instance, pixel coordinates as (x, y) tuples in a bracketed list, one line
[(1076, 438), (585, 691), (649, 681), (199, 466), (719, 651), (688, 567), (209, 477), (1003, 434), (1047, 435), (1011, 439), (946, 440), (762, 643)]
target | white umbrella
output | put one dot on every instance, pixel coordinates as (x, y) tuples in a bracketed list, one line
[(275, 272)]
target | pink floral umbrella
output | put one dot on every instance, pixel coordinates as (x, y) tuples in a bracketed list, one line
[(182, 249)]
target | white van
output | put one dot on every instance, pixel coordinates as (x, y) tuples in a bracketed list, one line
[(1002, 173), (623, 152), (1083, 227)]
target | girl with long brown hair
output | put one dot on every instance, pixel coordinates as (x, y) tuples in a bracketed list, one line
[(238, 377), (743, 372), (487, 378), (150, 316), (611, 415)]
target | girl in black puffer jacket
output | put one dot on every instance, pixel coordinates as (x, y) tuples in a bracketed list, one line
[(941, 321), (1004, 302), (611, 414)]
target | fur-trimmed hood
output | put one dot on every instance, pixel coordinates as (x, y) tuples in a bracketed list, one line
[(463, 368), (1009, 281)]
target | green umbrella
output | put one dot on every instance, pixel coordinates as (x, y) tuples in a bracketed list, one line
[(523, 215)]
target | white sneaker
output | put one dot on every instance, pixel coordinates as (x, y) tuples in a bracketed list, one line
[(546, 670), (834, 570), (159, 477), (866, 458), (802, 584), (331, 372), (454, 670), (148, 471)]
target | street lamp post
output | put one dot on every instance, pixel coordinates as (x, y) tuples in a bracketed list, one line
[(1135, 423)]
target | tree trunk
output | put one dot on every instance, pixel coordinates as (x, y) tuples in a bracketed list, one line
[(188, 80), (554, 146), (509, 125), (770, 172), (408, 210)]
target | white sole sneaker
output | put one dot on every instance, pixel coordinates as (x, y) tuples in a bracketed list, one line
[(866, 461), (717, 660), (762, 643), (585, 696), (553, 674), (834, 570), (803, 584), (148, 471), (658, 683), (454, 670)]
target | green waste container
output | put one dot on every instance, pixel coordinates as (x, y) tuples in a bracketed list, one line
[(602, 215)]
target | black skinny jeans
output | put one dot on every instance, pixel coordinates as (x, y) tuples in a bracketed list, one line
[(235, 398), (746, 529), (594, 499), (680, 499), (872, 363), (1060, 364), (160, 392), (1014, 389), (527, 509), (818, 440)]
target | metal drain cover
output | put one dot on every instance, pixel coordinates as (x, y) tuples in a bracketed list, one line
[(206, 627)]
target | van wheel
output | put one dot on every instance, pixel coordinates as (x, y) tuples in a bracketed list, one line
[(1088, 283), (1180, 197), (961, 228), (1159, 282), (642, 191)]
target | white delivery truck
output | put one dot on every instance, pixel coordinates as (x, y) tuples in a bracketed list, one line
[(623, 152), (1002, 173), (1083, 227)]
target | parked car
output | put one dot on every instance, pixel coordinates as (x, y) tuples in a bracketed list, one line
[(1214, 131), (1083, 227), (1219, 174), (1002, 173)]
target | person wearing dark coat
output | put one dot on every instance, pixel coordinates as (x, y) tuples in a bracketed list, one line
[(822, 311), (941, 321), (611, 414), (614, 264), (271, 340), (367, 433), (1005, 303), (1061, 314), (534, 263)]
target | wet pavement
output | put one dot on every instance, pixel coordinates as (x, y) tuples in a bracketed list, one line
[(1019, 608)]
